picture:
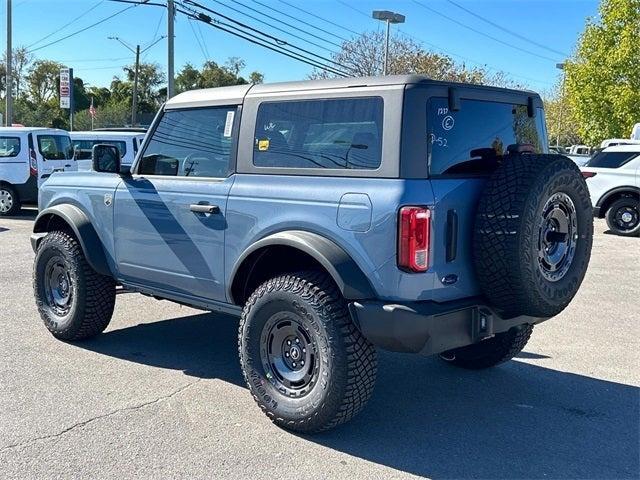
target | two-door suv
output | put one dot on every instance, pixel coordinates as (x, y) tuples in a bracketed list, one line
[(332, 217)]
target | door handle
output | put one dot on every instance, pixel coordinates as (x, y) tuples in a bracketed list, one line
[(204, 208)]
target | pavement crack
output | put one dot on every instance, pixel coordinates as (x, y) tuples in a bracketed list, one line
[(84, 423)]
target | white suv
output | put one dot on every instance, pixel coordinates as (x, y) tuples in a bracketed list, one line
[(613, 177)]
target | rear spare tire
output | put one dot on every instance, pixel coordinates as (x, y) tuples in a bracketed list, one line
[(533, 235)]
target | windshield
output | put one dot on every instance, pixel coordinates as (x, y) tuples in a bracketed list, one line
[(475, 138), (55, 147), (611, 159)]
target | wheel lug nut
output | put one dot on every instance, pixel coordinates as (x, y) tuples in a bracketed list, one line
[(304, 350), (297, 340), (302, 363), (294, 364), (288, 342), (286, 354)]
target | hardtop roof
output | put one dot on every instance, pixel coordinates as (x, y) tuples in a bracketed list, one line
[(235, 94)]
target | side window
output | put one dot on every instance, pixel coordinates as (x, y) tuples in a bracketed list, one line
[(473, 139), (9, 147), (84, 148), (611, 159), (190, 143), (332, 133), (55, 147)]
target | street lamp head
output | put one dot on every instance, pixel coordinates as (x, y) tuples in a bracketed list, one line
[(388, 16)]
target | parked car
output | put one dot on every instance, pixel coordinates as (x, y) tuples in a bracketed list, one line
[(28, 156), (613, 178), (579, 160), (127, 142), (579, 150), (332, 217), (612, 142)]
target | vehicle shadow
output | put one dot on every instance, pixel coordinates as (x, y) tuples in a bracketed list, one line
[(428, 418), (24, 214)]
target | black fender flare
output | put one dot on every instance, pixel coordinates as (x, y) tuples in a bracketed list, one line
[(78, 221), (350, 279)]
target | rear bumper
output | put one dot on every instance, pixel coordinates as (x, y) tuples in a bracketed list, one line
[(428, 327)]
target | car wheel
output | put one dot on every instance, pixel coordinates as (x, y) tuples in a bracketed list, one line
[(533, 235), (623, 217), (491, 352), (9, 201), (305, 362), (75, 302)]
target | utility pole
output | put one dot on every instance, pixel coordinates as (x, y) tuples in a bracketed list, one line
[(9, 76), (136, 74), (134, 102), (171, 12)]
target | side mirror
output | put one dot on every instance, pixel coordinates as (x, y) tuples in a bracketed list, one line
[(105, 158)]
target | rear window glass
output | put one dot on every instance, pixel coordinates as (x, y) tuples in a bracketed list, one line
[(9, 147), (611, 159), (84, 148), (473, 139), (55, 147), (332, 133)]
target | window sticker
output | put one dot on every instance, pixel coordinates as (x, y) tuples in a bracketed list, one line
[(228, 124), (263, 145)]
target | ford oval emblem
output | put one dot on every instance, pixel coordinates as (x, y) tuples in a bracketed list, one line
[(449, 279)]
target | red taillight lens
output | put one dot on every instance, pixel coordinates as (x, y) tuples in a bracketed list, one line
[(413, 238), (33, 163), (588, 174)]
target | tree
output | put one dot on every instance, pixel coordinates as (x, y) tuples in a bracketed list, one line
[(561, 119), (21, 59), (364, 56), (603, 77), (187, 78), (42, 81), (214, 75)]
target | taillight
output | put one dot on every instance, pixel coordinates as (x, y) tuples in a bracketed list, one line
[(588, 174), (413, 238), (33, 163)]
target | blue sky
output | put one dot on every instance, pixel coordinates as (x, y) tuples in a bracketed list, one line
[(555, 24)]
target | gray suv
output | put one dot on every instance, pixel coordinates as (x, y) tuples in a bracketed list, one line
[(332, 217)]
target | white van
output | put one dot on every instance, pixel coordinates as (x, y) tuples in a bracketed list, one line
[(28, 156), (128, 143)]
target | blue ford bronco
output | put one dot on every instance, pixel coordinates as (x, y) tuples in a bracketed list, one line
[(333, 217)]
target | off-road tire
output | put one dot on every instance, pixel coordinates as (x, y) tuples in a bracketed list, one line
[(9, 194), (347, 362), (507, 234), (92, 295), (632, 203), (491, 352)]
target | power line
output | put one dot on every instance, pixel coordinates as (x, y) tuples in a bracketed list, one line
[(280, 43), (66, 24), (264, 43), (87, 28), (204, 54), (275, 27), (284, 23), (321, 18), (301, 21), (480, 32), (204, 43), (504, 29)]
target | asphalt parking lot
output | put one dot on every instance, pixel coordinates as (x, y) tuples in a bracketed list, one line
[(160, 394)]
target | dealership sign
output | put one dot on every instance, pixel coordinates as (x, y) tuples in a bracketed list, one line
[(66, 87)]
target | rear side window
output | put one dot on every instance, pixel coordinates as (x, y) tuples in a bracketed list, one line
[(9, 147), (332, 133), (473, 139), (193, 142), (611, 159), (84, 147), (55, 147)]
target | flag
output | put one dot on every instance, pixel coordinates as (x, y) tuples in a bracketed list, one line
[(92, 110)]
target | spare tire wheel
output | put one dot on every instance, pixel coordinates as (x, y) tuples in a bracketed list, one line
[(533, 235)]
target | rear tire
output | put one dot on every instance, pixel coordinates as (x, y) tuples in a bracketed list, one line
[(75, 302), (533, 235), (304, 361), (9, 201), (623, 217), (491, 352)]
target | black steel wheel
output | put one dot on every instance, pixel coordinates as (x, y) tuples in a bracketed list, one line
[(623, 217), (304, 361), (557, 236)]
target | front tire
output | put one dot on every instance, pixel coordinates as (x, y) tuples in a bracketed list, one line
[(304, 361), (491, 352), (74, 301), (9, 201), (623, 217)]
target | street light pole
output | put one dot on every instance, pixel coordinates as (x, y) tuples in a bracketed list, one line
[(561, 66), (389, 18)]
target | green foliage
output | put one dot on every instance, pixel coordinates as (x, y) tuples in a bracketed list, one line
[(603, 78), (213, 75)]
